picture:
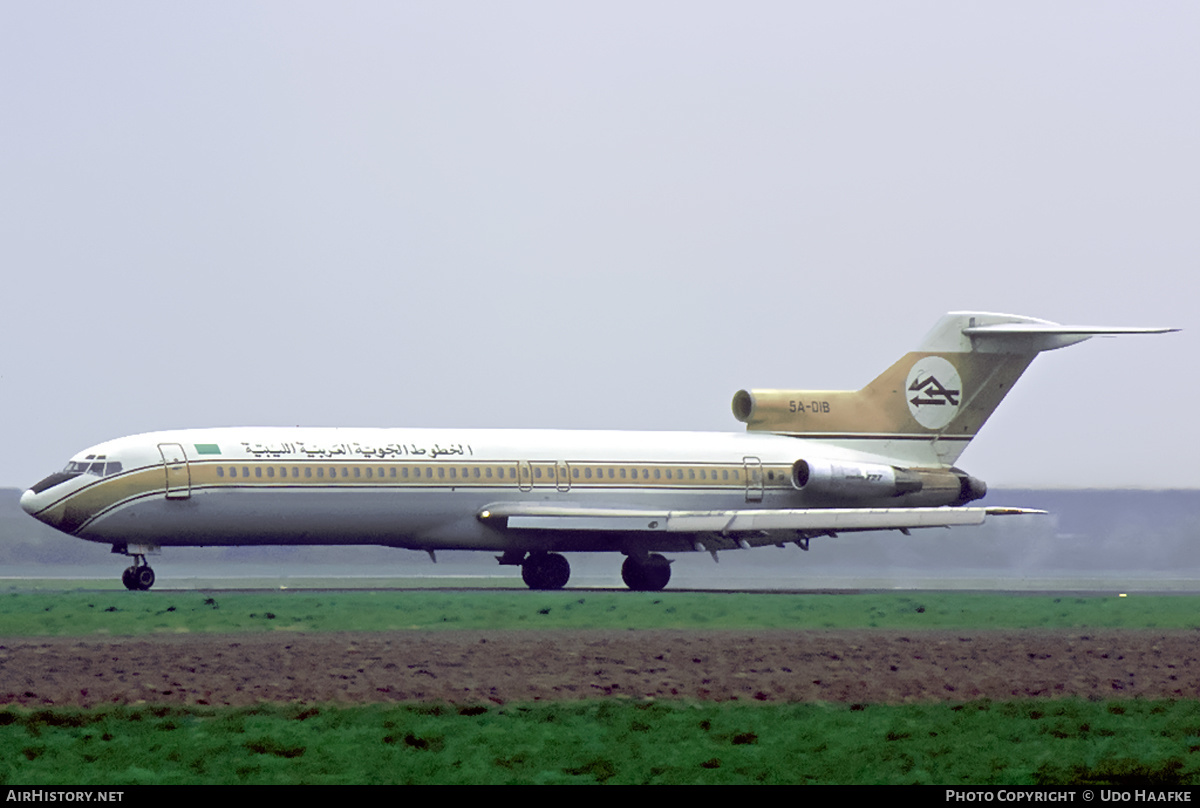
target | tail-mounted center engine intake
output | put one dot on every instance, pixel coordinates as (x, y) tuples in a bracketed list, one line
[(928, 487), (798, 411)]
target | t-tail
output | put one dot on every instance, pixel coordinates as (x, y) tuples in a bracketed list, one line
[(929, 405)]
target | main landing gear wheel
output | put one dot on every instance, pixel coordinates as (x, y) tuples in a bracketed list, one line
[(545, 571), (138, 577), (649, 575)]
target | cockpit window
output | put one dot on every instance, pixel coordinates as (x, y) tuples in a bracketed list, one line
[(51, 481), (94, 464)]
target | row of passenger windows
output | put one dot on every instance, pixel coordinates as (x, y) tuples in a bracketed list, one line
[(452, 472)]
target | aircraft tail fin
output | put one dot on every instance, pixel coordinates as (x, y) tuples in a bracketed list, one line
[(938, 396)]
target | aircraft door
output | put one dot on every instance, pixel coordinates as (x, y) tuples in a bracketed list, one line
[(754, 479), (562, 475), (178, 475), (524, 475)]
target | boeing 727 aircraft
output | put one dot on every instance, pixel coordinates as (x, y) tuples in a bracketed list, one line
[(811, 463)]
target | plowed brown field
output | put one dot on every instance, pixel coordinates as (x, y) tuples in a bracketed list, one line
[(474, 667)]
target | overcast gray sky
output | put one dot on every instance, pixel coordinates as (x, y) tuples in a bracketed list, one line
[(593, 215)]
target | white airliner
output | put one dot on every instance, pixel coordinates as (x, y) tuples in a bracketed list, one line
[(811, 463)]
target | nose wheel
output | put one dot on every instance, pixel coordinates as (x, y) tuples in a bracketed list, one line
[(139, 577)]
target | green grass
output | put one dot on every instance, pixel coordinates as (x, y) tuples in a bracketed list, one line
[(1130, 743), (75, 613)]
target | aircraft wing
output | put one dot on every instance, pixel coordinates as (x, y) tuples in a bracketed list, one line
[(532, 516)]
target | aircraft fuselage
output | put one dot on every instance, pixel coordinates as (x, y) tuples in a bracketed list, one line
[(414, 488)]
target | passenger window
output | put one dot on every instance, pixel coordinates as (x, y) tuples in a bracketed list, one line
[(258, 471), (220, 471), (270, 472)]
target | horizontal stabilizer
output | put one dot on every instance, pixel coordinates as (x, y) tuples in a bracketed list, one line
[(1054, 328), (1033, 337), (523, 516)]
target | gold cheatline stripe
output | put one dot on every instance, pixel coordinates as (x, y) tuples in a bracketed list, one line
[(106, 493), (205, 473)]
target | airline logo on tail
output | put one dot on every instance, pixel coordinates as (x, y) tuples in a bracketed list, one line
[(934, 392)]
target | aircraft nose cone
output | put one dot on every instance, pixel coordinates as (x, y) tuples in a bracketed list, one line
[(29, 502)]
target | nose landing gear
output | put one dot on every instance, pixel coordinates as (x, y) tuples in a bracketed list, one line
[(139, 577)]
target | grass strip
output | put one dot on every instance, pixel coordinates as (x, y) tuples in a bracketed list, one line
[(1118, 743), (74, 613)]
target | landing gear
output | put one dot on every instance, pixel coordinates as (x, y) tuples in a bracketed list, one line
[(646, 575), (545, 571), (139, 576)]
